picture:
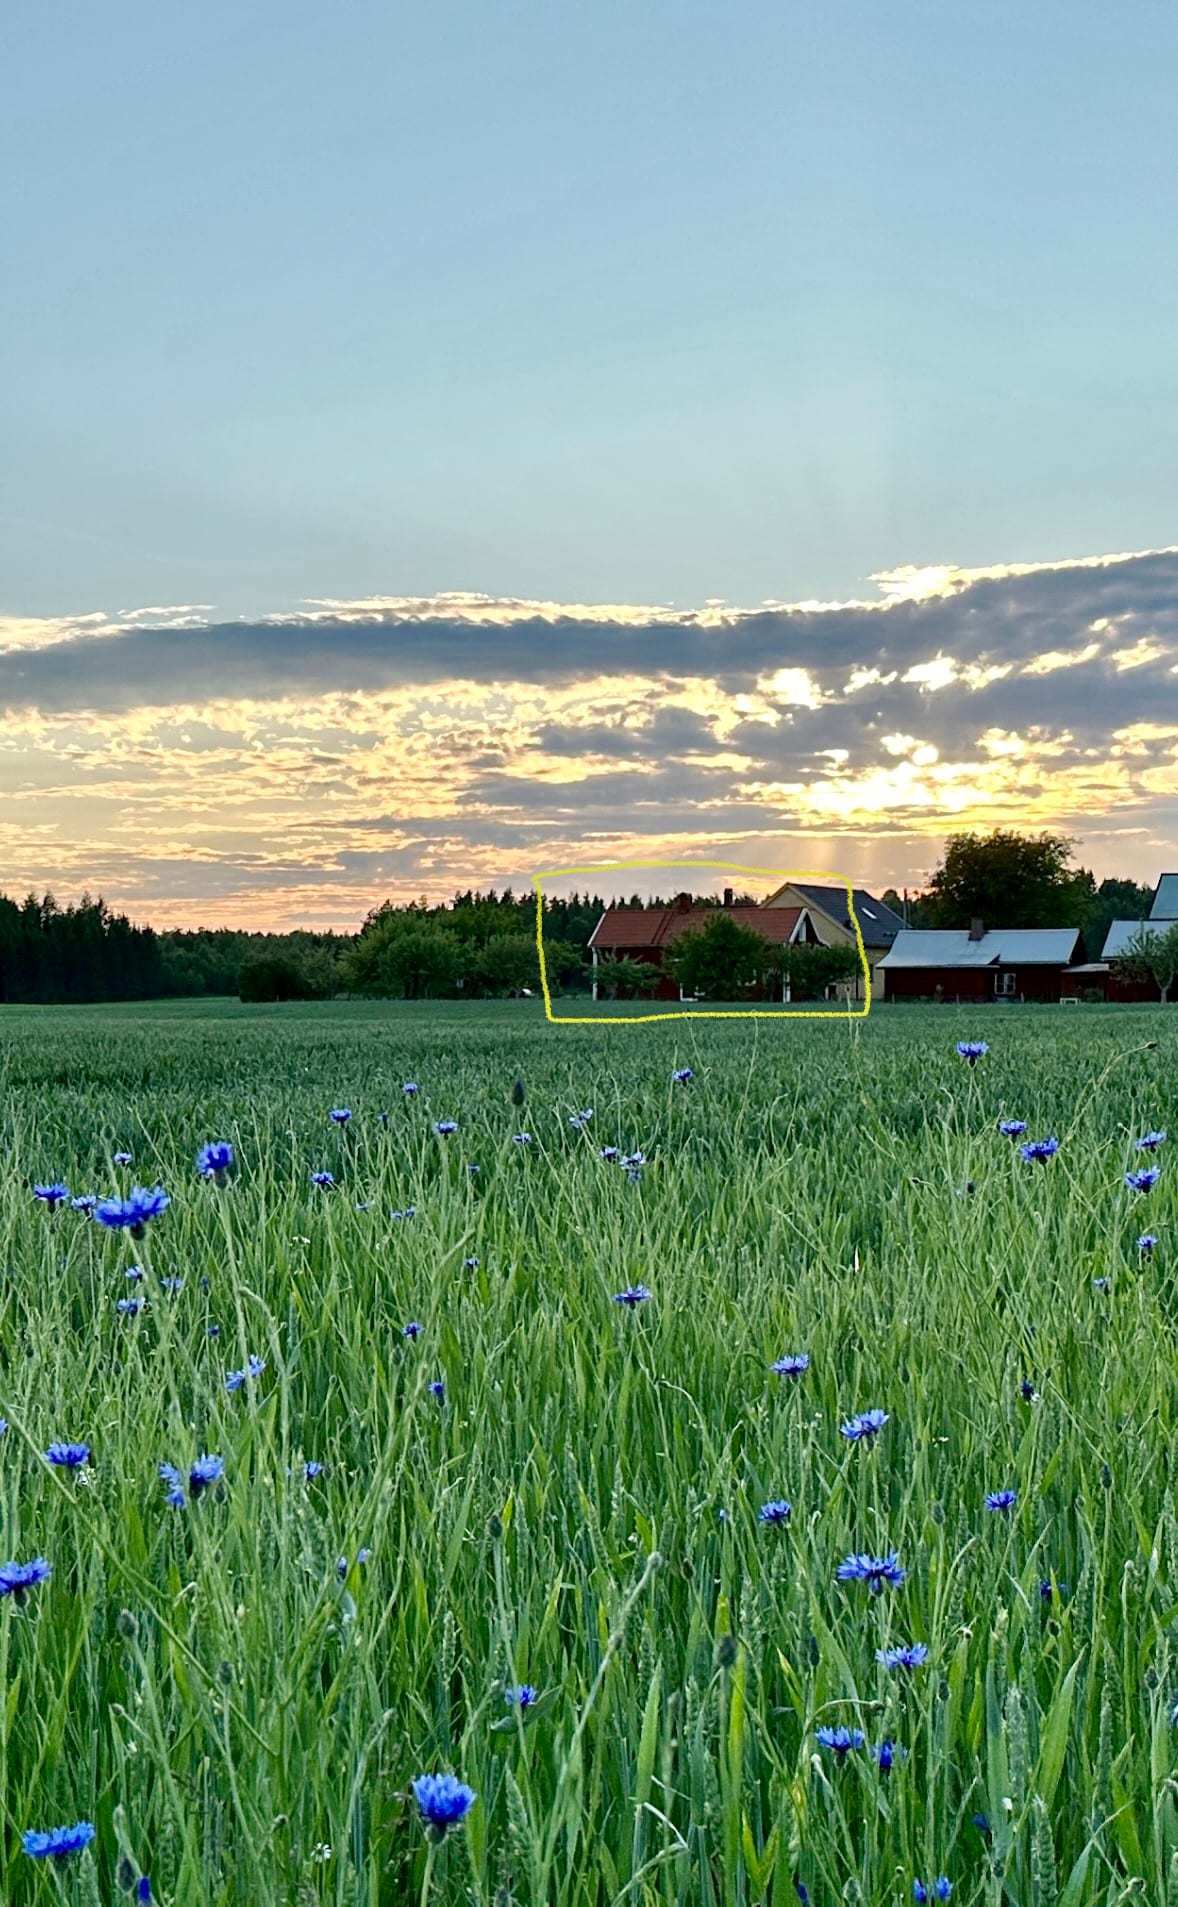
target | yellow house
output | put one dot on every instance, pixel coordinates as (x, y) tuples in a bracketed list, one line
[(827, 907)]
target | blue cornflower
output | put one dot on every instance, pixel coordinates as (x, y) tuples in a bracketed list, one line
[(123, 1158), (311, 1470), (409, 1088), (214, 1331), (909, 1655), (1038, 1151), (3, 1426), (409, 1212), (172, 1284), (58, 1843), (52, 1195), (130, 1307), (840, 1741), (875, 1571), (972, 1050), (1012, 1128), (885, 1754), (778, 1511), (1145, 1179), (609, 1153), (521, 1138), (443, 1801), (134, 1272), (204, 1472), (411, 1330), (1101, 1284), (322, 1178), (939, 1890), (438, 1389), (1147, 1241), (341, 1567), (474, 1170), (982, 1824), (581, 1119), (1151, 1142), (235, 1379), (1027, 1391), (1047, 1589), (143, 1893), (470, 1264), (340, 1116), (17, 1578), (633, 1294), (68, 1456), (1002, 1500), (133, 1213), (85, 1202), (681, 1075), (632, 1160), (791, 1366), (866, 1424), (214, 1160), (444, 1127), (521, 1696)]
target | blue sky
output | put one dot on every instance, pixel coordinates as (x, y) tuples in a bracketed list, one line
[(450, 442), (610, 302)]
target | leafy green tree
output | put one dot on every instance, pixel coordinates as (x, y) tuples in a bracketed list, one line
[(810, 970), (402, 957), (719, 960), (1009, 880), (1151, 954), (1113, 900), (268, 977), (626, 979)]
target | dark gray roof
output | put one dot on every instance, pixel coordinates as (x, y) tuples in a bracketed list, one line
[(877, 923)]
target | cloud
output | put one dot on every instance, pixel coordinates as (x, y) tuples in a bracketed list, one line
[(313, 758)]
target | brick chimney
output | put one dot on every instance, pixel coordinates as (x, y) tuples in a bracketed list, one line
[(683, 903), (976, 929), (727, 897)]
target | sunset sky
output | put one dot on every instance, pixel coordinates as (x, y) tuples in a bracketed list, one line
[(445, 443)]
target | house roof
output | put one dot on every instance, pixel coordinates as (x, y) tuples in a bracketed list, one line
[(631, 928), (877, 923), (1165, 900), (1005, 946), (1121, 932)]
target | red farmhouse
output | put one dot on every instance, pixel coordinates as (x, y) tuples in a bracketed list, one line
[(645, 933), (1008, 963)]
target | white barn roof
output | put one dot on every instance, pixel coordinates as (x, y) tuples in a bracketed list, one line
[(1121, 932), (1165, 901), (1008, 946)]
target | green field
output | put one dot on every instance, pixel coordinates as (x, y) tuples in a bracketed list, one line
[(579, 1512)]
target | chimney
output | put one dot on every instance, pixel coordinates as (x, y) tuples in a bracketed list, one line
[(727, 897), (683, 903), (976, 929)]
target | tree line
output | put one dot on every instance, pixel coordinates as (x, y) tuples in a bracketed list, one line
[(482, 945)]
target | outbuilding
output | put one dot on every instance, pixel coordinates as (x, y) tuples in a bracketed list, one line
[(960, 964)]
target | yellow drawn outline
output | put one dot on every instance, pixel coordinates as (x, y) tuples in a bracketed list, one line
[(740, 1013)]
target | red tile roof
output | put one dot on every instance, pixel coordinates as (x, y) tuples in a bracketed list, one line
[(631, 928)]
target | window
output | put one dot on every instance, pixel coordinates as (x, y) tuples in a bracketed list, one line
[(1004, 983)]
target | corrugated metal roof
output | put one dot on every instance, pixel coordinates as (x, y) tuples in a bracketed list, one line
[(1165, 901), (1121, 932), (1008, 946), (877, 923)]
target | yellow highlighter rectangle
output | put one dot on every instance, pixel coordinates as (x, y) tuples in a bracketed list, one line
[(694, 1013)]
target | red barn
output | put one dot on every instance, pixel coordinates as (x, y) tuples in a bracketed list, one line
[(1008, 963)]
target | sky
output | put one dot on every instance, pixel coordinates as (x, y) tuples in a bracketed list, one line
[(439, 444)]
